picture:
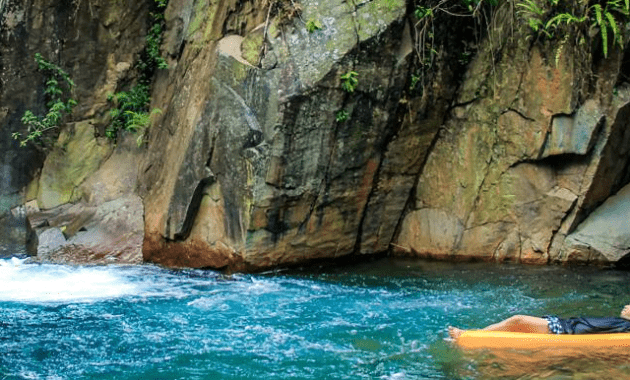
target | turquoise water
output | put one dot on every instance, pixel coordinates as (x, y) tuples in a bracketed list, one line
[(382, 320)]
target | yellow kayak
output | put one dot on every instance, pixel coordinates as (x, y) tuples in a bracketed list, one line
[(500, 339)]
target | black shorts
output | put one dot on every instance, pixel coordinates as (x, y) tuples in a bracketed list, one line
[(586, 325), (554, 325)]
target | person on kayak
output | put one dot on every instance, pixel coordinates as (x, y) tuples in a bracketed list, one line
[(551, 324)]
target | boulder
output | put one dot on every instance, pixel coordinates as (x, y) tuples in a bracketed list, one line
[(110, 233), (574, 134), (605, 234), (50, 240)]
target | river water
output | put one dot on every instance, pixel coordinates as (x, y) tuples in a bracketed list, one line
[(383, 320)]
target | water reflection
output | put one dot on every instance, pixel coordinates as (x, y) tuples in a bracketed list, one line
[(550, 363)]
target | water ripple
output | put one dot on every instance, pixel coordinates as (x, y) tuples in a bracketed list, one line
[(60, 322)]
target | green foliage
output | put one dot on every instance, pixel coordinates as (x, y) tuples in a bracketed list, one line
[(59, 103), (414, 81), (349, 81), (313, 25), (422, 12), (342, 115), (532, 13), (151, 58), (131, 108), (131, 112), (53, 70), (605, 18), (565, 18)]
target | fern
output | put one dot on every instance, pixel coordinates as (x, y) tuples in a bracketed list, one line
[(530, 6), (535, 24), (604, 19), (608, 18), (614, 27), (566, 18), (533, 14), (617, 6), (598, 13)]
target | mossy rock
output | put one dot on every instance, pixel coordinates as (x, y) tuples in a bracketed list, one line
[(251, 47), (76, 155)]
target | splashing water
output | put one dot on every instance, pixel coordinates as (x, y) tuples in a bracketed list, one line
[(55, 283), (381, 321)]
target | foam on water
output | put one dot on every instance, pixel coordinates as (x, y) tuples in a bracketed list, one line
[(41, 283)]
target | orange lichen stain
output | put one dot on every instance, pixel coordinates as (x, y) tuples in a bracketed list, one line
[(366, 184), (191, 253)]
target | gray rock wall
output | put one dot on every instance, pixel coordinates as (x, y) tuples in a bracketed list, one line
[(286, 179), (476, 143)]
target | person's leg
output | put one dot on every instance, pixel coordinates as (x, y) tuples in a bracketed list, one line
[(521, 323), (516, 323)]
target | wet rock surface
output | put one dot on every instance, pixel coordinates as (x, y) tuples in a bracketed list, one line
[(16, 234)]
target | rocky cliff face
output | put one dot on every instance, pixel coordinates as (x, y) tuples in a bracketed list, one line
[(520, 164), (264, 173), (474, 141), (96, 43)]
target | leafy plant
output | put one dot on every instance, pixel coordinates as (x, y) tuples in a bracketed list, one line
[(342, 115), (313, 25), (349, 81), (422, 12), (414, 81), (131, 108), (58, 89), (533, 14), (151, 58), (603, 19)]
